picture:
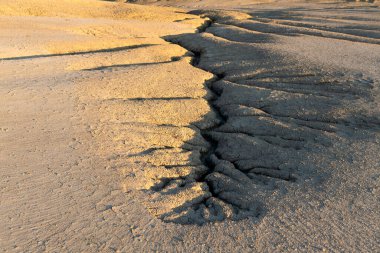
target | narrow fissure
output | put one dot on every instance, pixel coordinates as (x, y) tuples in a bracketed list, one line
[(206, 156), (210, 158)]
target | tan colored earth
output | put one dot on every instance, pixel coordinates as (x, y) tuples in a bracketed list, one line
[(189, 126)]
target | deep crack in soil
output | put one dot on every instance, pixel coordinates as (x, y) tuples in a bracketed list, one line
[(210, 158)]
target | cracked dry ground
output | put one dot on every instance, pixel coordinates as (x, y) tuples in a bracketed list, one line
[(283, 115), (264, 139)]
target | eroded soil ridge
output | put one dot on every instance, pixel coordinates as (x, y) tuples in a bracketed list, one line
[(271, 112)]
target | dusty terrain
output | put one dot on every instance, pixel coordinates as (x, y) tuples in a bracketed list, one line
[(241, 127)]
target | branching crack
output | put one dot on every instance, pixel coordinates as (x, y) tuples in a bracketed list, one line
[(210, 158)]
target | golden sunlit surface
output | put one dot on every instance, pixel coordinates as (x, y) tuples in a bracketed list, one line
[(189, 126)]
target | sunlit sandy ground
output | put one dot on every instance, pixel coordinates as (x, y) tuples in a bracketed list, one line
[(105, 127)]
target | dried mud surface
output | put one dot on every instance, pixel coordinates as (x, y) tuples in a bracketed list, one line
[(252, 128)]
